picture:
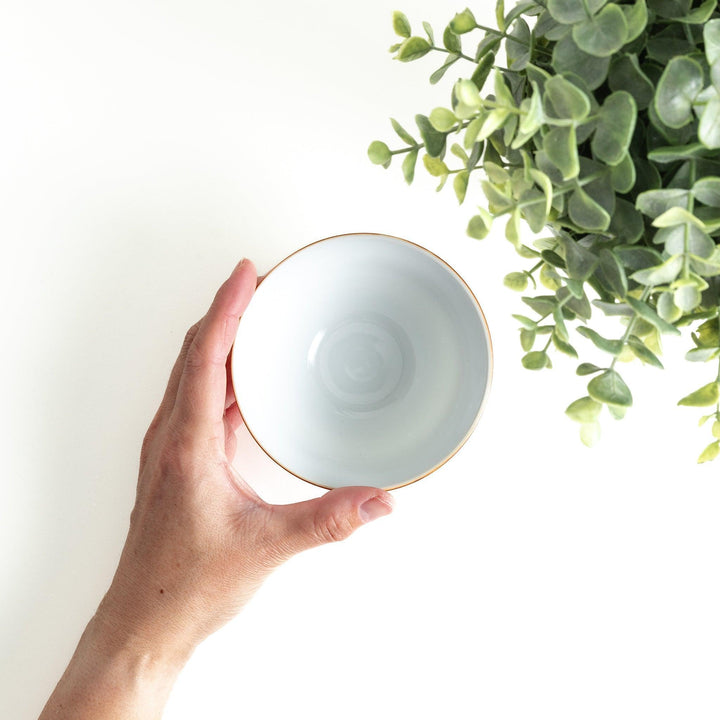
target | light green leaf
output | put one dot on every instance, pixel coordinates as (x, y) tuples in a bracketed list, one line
[(460, 184), (563, 100), (497, 174), (710, 452), (672, 154), (704, 267), (702, 355), (677, 216), (408, 166), (636, 16), (498, 202), (568, 58), (623, 175), (707, 190), (543, 181), (569, 12), (686, 295), (690, 237), (535, 360), (526, 322), (603, 34), (709, 128), (467, 93), (435, 166), (451, 41), (429, 32), (463, 22), (613, 347), (527, 339), (610, 388), (716, 429), (443, 119), (711, 37), (703, 397), (412, 49), (615, 127), (586, 213), (403, 134), (531, 118), (677, 89), (379, 153), (549, 278), (584, 410), (517, 281), (660, 274), (617, 411), (590, 433), (479, 225), (500, 15), (560, 146), (440, 72), (401, 25), (656, 202), (512, 229), (643, 352)]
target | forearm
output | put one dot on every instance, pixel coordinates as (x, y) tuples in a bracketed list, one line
[(115, 675)]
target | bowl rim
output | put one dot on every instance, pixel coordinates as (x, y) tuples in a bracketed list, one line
[(488, 384)]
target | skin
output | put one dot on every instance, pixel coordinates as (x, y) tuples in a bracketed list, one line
[(200, 541)]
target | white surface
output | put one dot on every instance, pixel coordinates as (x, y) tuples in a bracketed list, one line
[(146, 146), (361, 360)]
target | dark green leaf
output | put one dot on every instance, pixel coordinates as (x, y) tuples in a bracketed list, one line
[(519, 45), (625, 74), (614, 309), (578, 305), (440, 72), (642, 351), (580, 262), (699, 15), (656, 202), (610, 388), (563, 346), (623, 175), (587, 369), (586, 213), (542, 305), (612, 273), (672, 154), (451, 40), (627, 223), (644, 311), (568, 58), (490, 43), (434, 140)]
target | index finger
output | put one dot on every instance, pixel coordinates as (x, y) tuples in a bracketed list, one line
[(203, 383)]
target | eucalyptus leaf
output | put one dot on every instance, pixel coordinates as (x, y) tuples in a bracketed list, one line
[(568, 57), (602, 34), (568, 12), (643, 352), (711, 38), (413, 48), (610, 388), (586, 213), (408, 166), (702, 397), (625, 74), (613, 347), (587, 369), (660, 274), (584, 410), (615, 126)]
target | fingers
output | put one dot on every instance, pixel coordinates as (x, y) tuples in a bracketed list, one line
[(202, 386), (330, 518)]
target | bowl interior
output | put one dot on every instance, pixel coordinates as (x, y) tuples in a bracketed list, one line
[(361, 360)]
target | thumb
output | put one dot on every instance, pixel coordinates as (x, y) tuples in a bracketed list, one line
[(329, 518)]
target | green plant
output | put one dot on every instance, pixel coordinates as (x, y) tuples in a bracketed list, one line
[(603, 126)]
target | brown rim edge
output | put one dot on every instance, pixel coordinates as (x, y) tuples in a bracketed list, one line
[(491, 361)]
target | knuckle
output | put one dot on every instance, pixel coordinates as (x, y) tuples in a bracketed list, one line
[(331, 527)]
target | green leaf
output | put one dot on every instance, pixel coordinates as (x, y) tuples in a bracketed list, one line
[(614, 309), (408, 166), (623, 175), (625, 74), (519, 46), (542, 305), (434, 141), (563, 346), (527, 339), (500, 15), (402, 133), (560, 145), (636, 16), (413, 48), (667, 309), (580, 262), (463, 22), (531, 118), (672, 154), (460, 184), (626, 223), (379, 153), (440, 72), (711, 38), (701, 354), (704, 267), (709, 128), (660, 274), (643, 352), (615, 127), (610, 388), (699, 15), (677, 89), (679, 238), (429, 31), (590, 433), (568, 58), (644, 311), (549, 278), (670, 8), (703, 397), (498, 202), (716, 429), (569, 12), (517, 281), (451, 41), (482, 72), (656, 202), (708, 334), (603, 34), (526, 322), (535, 360), (435, 166), (686, 295), (707, 190), (613, 273), (710, 452), (586, 213), (587, 369), (584, 410), (677, 216), (579, 305), (512, 229), (563, 100), (613, 347), (479, 225), (401, 25), (443, 119)]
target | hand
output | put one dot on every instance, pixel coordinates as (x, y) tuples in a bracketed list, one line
[(200, 541)]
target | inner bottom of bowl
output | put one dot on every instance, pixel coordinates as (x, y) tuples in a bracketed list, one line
[(375, 355)]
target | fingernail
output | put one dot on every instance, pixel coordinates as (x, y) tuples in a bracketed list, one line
[(374, 508), (241, 263)]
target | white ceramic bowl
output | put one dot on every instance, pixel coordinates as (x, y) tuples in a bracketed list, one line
[(362, 359)]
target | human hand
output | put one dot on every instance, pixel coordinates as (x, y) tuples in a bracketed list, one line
[(200, 541)]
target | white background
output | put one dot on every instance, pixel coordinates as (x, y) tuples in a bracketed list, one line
[(145, 147)]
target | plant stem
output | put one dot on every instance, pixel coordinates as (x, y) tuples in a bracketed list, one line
[(451, 52), (631, 324)]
